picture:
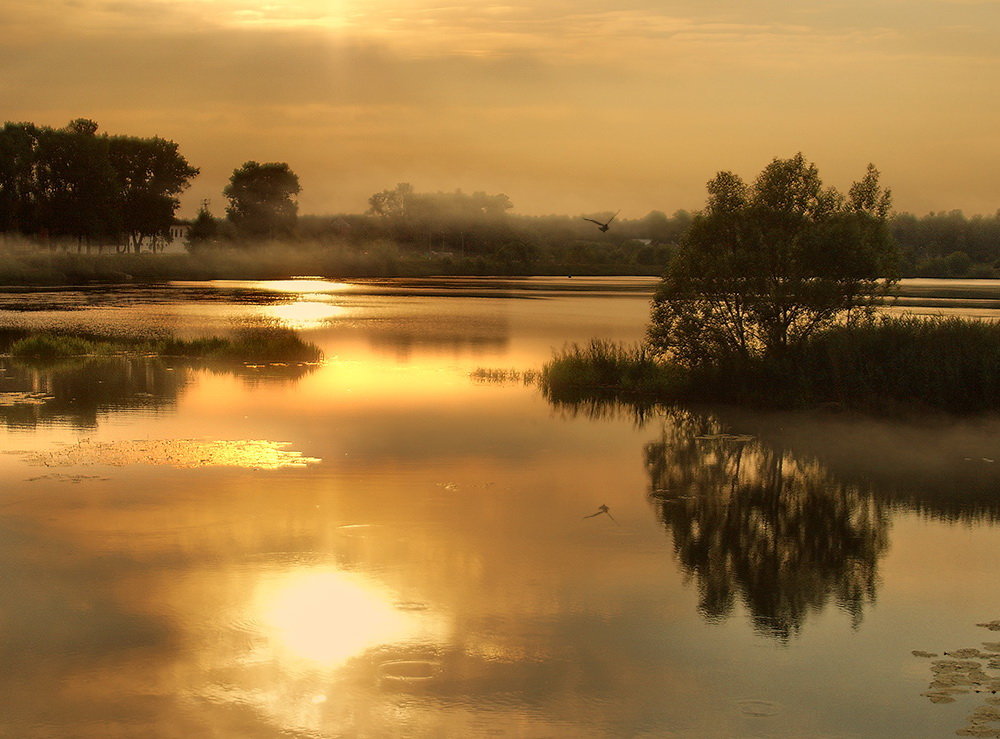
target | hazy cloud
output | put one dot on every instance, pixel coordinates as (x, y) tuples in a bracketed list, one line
[(557, 103)]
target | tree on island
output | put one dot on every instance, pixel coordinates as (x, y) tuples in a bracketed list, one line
[(262, 199), (765, 266)]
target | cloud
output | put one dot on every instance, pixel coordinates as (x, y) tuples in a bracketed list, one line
[(520, 97)]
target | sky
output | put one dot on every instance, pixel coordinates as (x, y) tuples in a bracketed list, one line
[(567, 106)]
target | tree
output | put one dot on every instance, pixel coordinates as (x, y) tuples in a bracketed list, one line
[(75, 183), (205, 228), (766, 265), (18, 193), (261, 199), (150, 173)]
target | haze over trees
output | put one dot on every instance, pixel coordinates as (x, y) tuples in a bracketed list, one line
[(73, 184)]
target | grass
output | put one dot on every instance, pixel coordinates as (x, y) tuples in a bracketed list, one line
[(952, 364), (504, 376), (891, 363), (265, 344), (609, 369)]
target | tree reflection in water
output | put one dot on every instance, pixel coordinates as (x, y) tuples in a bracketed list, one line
[(77, 391), (752, 522)]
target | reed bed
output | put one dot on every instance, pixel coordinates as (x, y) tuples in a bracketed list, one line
[(609, 369), (266, 343), (949, 364)]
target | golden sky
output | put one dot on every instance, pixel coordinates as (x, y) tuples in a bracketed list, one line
[(568, 106)]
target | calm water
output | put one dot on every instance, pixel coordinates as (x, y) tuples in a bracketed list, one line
[(382, 546)]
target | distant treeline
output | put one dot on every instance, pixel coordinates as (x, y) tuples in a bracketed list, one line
[(74, 188), (71, 185), (463, 232)]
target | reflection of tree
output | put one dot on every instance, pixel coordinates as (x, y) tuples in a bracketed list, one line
[(752, 522), (78, 391)]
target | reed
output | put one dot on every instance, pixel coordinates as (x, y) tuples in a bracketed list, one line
[(889, 363), (605, 368), (256, 343), (56, 346)]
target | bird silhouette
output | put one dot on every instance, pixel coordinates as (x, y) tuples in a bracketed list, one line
[(602, 509), (603, 225)]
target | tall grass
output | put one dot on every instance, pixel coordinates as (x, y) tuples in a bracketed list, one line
[(952, 364), (893, 363), (266, 343), (55, 346), (609, 369)]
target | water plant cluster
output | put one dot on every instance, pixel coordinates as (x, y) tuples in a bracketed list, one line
[(255, 343)]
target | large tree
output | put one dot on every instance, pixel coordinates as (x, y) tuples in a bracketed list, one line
[(150, 173), (766, 265), (75, 183), (262, 199)]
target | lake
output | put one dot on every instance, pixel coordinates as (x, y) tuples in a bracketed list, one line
[(381, 545)]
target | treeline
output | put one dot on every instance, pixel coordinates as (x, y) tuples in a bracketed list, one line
[(948, 244), (72, 185), (456, 232), (462, 232), (75, 187)]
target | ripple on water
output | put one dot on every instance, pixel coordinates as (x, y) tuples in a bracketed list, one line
[(408, 671), (758, 708)]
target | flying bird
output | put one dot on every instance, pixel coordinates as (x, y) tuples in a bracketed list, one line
[(602, 509), (603, 225)]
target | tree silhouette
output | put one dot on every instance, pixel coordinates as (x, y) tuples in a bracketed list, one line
[(766, 265), (262, 199), (150, 173)]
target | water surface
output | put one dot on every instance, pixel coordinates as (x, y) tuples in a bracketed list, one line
[(381, 546)]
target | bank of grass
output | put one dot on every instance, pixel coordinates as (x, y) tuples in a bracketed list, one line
[(893, 363), (265, 344)]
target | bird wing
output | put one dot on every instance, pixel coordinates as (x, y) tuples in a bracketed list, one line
[(599, 223), (613, 217)]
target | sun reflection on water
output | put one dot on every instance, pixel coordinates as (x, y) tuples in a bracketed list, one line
[(304, 314), (326, 616)]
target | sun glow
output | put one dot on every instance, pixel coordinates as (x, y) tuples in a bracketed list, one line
[(326, 616), (304, 314)]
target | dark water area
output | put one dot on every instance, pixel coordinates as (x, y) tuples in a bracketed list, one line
[(380, 545)]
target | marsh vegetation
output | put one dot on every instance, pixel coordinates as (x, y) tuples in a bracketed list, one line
[(252, 343)]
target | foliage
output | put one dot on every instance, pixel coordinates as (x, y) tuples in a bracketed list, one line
[(766, 265), (149, 173), (262, 199), (73, 183), (204, 229)]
